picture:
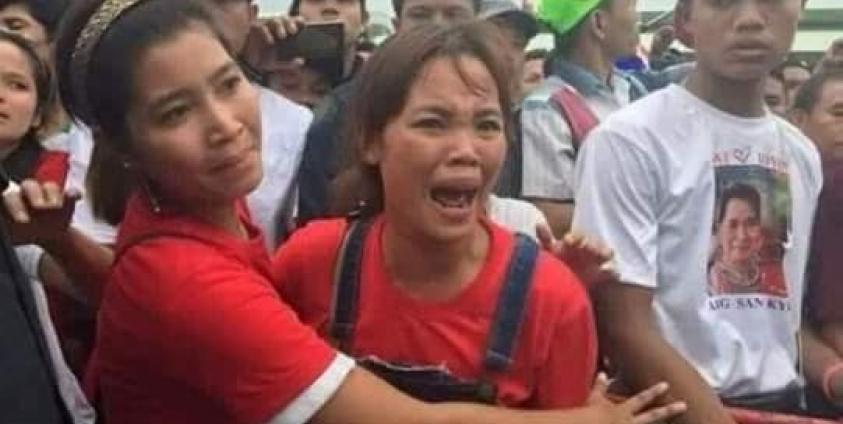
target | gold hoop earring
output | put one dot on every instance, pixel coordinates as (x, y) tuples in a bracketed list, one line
[(144, 184), (153, 199)]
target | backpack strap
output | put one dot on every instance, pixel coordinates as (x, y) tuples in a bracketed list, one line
[(512, 302), (576, 112), (347, 282)]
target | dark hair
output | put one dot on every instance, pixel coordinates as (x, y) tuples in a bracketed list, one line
[(564, 44), (809, 94), (388, 76), (536, 54), (20, 163), (47, 12), (740, 191), (110, 73), (296, 4), (398, 6)]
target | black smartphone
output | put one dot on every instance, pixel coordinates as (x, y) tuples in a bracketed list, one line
[(320, 45)]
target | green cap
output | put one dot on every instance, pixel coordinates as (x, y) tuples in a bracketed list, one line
[(563, 15)]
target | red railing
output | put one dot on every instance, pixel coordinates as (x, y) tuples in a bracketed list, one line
[(747, 416)]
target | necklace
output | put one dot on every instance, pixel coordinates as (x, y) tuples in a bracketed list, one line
[(737, 277)]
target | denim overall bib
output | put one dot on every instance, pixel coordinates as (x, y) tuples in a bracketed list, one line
[(432, 383)]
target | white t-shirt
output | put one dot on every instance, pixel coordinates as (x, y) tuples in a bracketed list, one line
[(284, 125), (516, 215), (651, 183)]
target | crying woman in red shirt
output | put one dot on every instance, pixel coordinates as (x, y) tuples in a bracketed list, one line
[(421, 287)]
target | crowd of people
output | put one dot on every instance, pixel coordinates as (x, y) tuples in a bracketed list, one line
[(203, 224)]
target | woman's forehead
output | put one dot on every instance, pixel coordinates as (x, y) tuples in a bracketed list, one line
[(12, 58)]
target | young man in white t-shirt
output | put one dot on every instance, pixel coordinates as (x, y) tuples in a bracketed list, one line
[(708, 200)]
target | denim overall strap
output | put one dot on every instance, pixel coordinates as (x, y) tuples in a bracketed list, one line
[(347, 282), (512, 301)]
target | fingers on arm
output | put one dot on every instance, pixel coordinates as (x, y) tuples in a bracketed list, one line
[(642, 401), (660, 413), (14, 204)]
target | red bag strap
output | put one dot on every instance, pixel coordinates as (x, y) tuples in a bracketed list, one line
[(576, 112)]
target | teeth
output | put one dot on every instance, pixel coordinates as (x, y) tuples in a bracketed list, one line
[(452, 198)]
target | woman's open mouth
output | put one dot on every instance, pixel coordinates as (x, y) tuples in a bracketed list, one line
[(453, 198), (454, 204)]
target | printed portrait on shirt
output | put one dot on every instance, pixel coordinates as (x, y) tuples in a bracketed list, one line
[(749, 232)]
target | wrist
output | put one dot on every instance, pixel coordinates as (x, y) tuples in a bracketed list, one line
[(57, 241)]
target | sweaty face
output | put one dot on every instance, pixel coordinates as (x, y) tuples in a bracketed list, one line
[(18, 97), (622, 29), (194, 124), (439, 157), (348, 12), (445, 12), (16, 18), (235, 19), (824, 124), (740, 233), (741, 40)]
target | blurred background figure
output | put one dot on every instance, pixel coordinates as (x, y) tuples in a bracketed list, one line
[(365, 48), (661, 54), (304, 85), (794, 73), (314, 48), (775, 95), (533, 70), (583, 86), (36, 21), (352, 14), (818, 112), (833, 56), (518, 27)]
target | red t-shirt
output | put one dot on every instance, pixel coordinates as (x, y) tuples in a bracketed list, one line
[(555, 355), (192, 331)]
